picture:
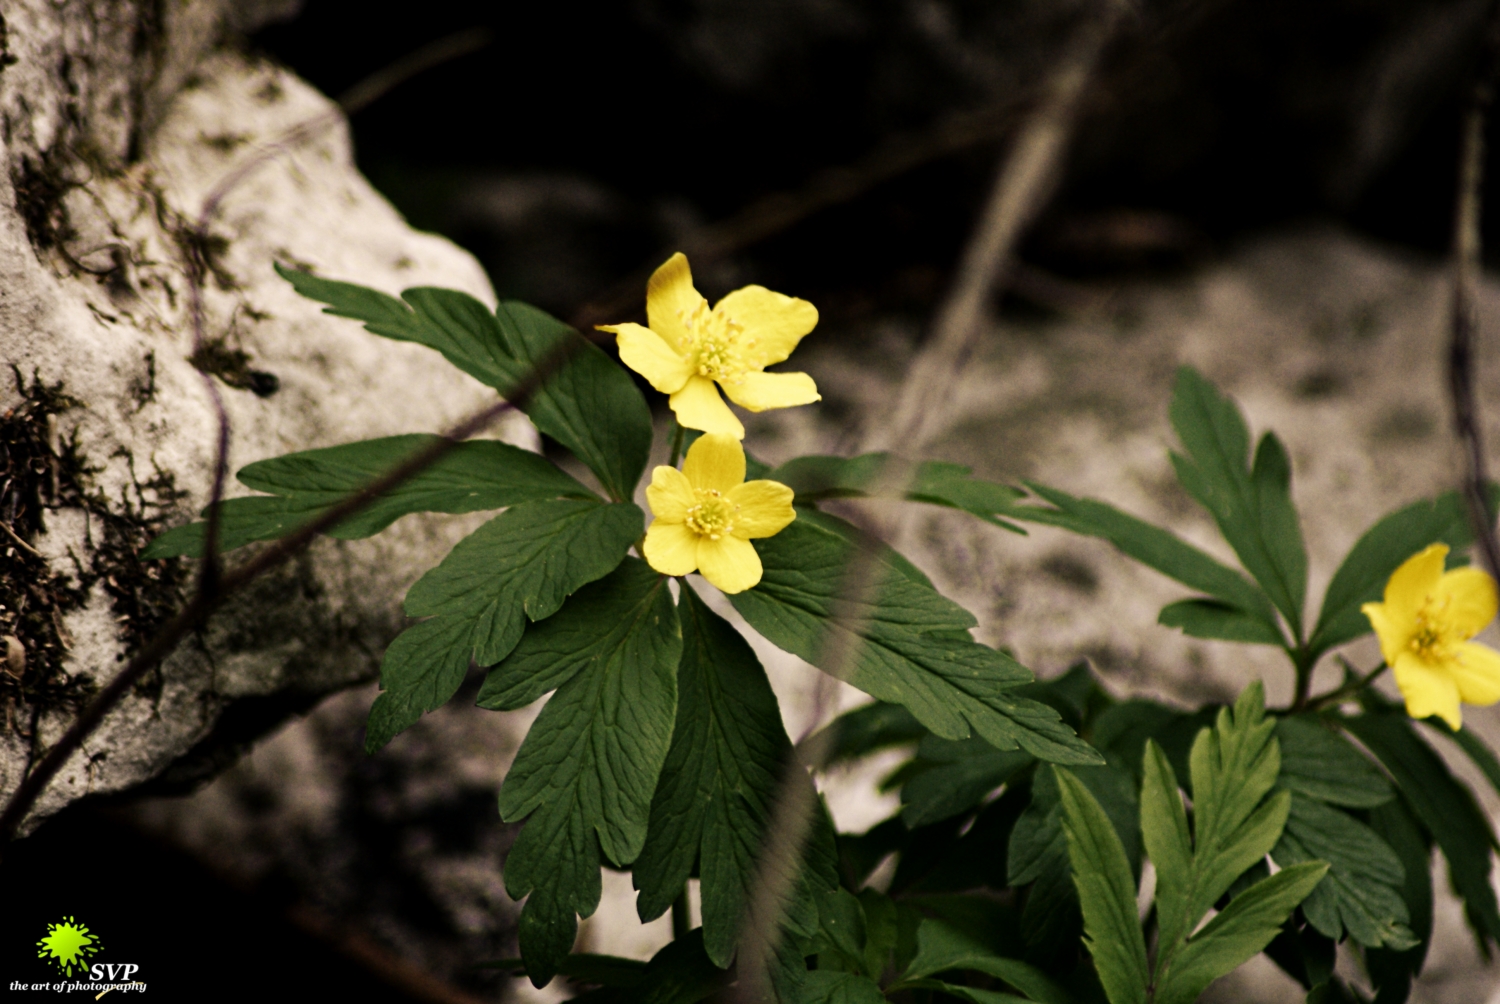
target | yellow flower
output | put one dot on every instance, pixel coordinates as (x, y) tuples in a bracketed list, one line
[(688, 348), (707, 513), (1424, 627)]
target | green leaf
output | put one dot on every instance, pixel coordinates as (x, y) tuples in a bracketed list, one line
[(1151, 546), (1233, 768), (900, 642), (723, 773), (1239, 931), (1362, 577), (828, 986), (584, 777), (1252, 507), (472, 477), (1443, 806), (1362, 891), (1212, 619), (1474, 747), (972, 994), (1392, 971), (815, 478), (1164, 830), (956, 776), (589, 404), (680, 973), (1106, 892), (941, 949), (867, 729), (523, 563), (1319, 763), (527, 560)]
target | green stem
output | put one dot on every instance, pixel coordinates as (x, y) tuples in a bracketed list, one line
[(1304, 668), (682, 922), (677, 436), (1340, 694)]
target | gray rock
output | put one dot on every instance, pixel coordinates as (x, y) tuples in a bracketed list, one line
[(119, 120)]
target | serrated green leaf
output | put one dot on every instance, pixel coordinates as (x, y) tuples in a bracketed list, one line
[(1392, 971), (1363, 575), (522, 565), (1362, 890), (1234, 767), (1164, 830), (589, 404), (1321, 764), (472, 477), (867, 729), (900, 642), (1106, 893), (728, 758), (1251, 505), (974, 995), (584, 776), (828, 986), (1474, 747), (941, 949), (841, 924), (815, 478), (956, 780), (1151, 546), (1212, 619), (680, 973), (422, 670), (1443, 806), (1239, 931)]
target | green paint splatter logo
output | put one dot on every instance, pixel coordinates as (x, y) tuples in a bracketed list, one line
[(68, 944)]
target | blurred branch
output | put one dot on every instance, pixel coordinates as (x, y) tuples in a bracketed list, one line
[(1026, 178), (1464, 316), (213, 586), (834, 186)]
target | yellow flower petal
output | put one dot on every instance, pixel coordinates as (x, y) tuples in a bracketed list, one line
[(671, 300), (1465, 599), (1427, 690), (1412, 583), (773, 323), (1392, 638), (1476, 670), (729, 563), (644, 351), (670, 495), (699, 406), (765, 508), (671, 548), (760, 391), (715, 461)]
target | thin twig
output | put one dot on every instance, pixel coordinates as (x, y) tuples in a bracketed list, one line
[(1025, 180), (1464, 316), (1026, 177), (205, 602), (835, 186), (19, 542), (196, 248)]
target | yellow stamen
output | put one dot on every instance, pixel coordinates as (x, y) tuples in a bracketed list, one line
[(713, 516)]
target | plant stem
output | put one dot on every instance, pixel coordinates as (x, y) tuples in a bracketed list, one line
[(1340, 694), (677, 435), (682, 921), (1304, 677)]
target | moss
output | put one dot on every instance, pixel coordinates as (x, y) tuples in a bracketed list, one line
[(39, 472)]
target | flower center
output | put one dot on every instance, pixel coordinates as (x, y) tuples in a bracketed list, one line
[(713, 516), (713, 343), (1429, 640)]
